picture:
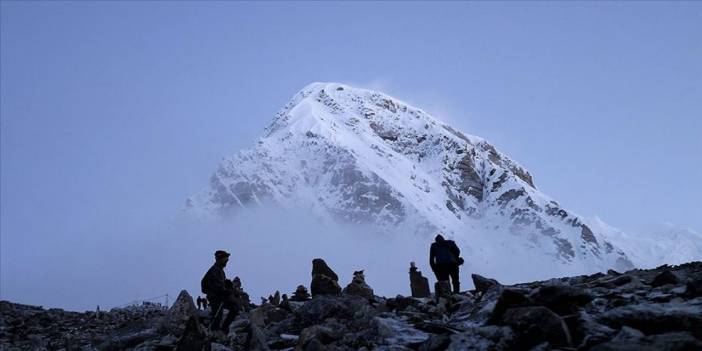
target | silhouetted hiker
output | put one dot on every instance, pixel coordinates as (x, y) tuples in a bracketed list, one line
[(444, 259), (218, 290), (204, 303)]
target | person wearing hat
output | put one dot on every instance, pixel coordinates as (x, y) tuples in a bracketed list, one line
[(218, 290)]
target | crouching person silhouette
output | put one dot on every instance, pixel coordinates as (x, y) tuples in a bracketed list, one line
[(444, 259), (219, 293)]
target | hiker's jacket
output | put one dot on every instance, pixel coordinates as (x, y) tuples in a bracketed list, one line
[(443, 252), (214, 282)]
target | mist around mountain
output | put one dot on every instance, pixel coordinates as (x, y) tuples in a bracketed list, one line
[(359, 157)]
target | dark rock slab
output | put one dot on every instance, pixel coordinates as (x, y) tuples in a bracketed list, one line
[(537, 324), (484, 338), (435, 343), (694, 287), (193, 338), (562, 299), (342, 307), (664, 278), (680, 341), (657, 318), (509, 298)]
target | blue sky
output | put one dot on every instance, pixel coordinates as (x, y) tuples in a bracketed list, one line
[(113, 113)]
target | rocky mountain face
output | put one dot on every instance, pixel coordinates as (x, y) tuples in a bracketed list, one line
[(360, 156), (658, 309)]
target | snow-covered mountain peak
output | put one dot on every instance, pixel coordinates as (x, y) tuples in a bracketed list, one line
[(361, 156), (333, 109)]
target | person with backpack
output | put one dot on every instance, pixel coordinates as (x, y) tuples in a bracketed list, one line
[(219, 291), (444, 259)]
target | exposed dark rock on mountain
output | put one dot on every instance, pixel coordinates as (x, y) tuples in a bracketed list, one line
[(612, 311)]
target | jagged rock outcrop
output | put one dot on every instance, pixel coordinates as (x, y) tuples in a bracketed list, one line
[(182, 310), (612, 311)]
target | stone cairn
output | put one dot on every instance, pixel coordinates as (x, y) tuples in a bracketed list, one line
[(418, 283), (359, 287), (324, 280), (300, 294)]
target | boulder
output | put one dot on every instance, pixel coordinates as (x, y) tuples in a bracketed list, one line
[(193, 338), (321, 333), (483, 338), (182, 310), (665, 277), (585, 331), (323, 285), (343, 307), (483, 284), (319, 266), (509, 298), (324, 280), (266, 314), (562, 299), (680, 341), (219, 347), (256, 339), (537, 324), (397, 332), (419, 285), (435, 343), (626, 334), (610, 283), (656, 318), (693, 287)]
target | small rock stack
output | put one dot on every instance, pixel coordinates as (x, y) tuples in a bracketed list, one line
[(419, 285), (358, 286), (300, 294)]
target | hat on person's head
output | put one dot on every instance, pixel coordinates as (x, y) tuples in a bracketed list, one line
[(221, 254)]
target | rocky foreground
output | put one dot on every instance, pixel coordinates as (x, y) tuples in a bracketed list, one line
[(658, 309)]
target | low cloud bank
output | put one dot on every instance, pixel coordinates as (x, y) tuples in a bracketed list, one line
[(272, 249)]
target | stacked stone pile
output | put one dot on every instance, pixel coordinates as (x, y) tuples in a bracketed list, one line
[(658, 309)]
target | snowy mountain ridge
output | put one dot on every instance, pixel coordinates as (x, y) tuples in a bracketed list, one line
[(360, 156)]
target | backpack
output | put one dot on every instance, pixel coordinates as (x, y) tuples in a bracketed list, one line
[(204, 285)]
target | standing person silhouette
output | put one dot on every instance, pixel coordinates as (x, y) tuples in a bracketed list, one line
[(444, 259), (219, 291)]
